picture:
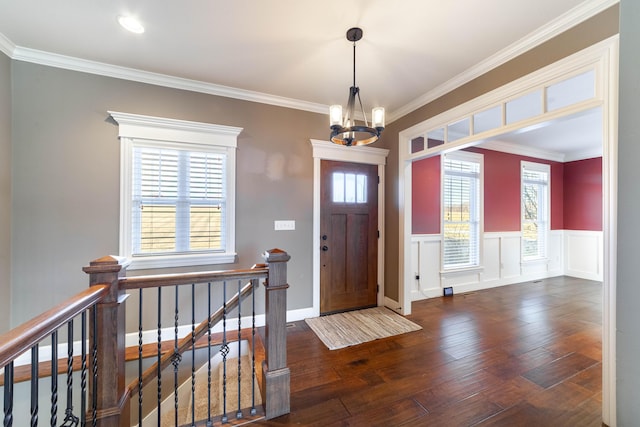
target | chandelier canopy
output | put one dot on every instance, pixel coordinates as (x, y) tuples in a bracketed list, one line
[(344, 130)]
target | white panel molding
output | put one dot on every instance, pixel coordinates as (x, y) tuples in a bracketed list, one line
[(580, 251), (584, 254), (426, 250), (491, 258), (556, 249)]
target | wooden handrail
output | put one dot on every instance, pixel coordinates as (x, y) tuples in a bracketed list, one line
[(160, 280), (30, 333), (185, 343)]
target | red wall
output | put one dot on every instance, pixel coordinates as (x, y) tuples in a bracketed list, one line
[(583, 195), (425, 188), (501, 191), (576, 193)]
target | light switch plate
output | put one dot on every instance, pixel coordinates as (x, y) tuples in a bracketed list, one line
[(284, 225)]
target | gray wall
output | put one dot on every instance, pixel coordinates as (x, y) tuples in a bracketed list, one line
[(5, 192), (593, 30), (628, 283), (66, 178)]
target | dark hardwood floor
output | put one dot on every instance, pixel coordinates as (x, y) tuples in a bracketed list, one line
[(519, 355)]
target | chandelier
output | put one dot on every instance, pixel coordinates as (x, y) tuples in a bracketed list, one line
[(344, 130)]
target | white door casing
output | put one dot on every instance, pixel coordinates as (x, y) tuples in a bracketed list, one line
[(325, 150)]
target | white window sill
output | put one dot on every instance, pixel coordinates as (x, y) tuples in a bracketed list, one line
[(188, 260)]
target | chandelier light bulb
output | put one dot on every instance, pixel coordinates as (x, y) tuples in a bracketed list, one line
[(335, 115)]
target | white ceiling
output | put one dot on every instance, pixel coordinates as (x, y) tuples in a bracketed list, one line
[(290, 52), (571, 138)]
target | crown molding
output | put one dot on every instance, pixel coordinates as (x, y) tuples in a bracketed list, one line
[(583, 154), (559, 25), (131, 74), (522, 150), (6, 46), (546, 32)]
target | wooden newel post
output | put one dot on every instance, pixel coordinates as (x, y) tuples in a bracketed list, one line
[(275, 373), (109, 334)]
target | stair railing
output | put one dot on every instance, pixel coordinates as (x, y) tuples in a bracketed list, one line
[(106, 399), (43, 332), (114, 402)]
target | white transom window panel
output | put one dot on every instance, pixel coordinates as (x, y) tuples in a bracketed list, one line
[(535, 209), (461, 210), (177, 192)]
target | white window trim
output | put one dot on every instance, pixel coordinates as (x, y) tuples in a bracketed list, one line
[(134, 128), (538, 167), (471, 157)]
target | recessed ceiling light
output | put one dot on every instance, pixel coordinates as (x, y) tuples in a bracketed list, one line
[(130, 23)]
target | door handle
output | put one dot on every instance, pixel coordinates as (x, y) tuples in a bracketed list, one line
[(325, 248)]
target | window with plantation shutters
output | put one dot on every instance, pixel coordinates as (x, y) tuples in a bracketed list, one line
[(177, 192), (462, 210), (178, 201), (535, 178)]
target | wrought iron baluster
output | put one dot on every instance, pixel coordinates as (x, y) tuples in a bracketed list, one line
[(34, 385), (254, 285), (209, 421), (54, 379), (140, 305), (175, 360), (8, 395), (70, 420), (239, 412), (159, 375), (83, 370), (94, 353), (224, 350), (193, 354)]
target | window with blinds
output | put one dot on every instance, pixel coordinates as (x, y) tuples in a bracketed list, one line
[(178, 201), (535, 210), (461, 207), (177, 191)]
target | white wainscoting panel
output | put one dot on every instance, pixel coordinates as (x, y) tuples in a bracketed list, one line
[(425, 255), (510, 256), (555, 252), (491, 257), (584, 256), (571, 253)]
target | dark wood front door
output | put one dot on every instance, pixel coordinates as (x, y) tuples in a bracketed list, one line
[(348, 236)]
